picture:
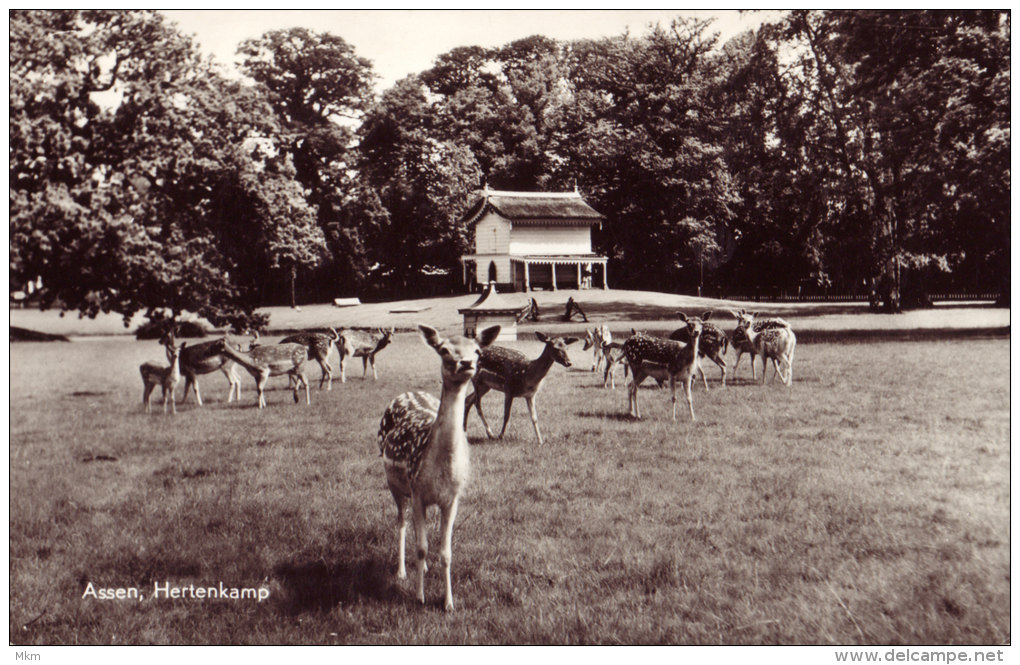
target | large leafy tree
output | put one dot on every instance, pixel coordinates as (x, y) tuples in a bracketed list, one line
[(910, 112), (647, 146), (319, 89), (422, 183), (136, 202)]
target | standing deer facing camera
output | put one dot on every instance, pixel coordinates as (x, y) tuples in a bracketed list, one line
[(712, 345), (680, 361), (165, 377), (511, 373), (425, 450)]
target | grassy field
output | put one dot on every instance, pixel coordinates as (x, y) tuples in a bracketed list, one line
[(866, 504)]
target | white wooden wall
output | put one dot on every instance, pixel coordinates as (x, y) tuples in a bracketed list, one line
[(492, 235), (550, 240)]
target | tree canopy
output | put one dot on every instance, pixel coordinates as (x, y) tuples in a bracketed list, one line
[(843, 150)]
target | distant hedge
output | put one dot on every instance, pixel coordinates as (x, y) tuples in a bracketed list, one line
[(155, 329)]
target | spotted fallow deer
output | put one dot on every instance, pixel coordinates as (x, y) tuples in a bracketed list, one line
[(425, 450), (165, 377), (364, 345), (511, 373), (597, 339), (680, 361), (320, 346), (263, 362), (713, 345), (776, 343), (204, 358), (742, 345)]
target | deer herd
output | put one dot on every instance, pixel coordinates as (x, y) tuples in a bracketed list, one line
[(422, 439)]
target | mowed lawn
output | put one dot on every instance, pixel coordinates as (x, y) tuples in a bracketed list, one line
[(866, 504)]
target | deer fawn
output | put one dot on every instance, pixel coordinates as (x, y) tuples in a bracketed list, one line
[(425, 450), (365, 346), (319, 346), (166, 377), (771, 341), (713, 345), (680, 361), (263, 362), (511, 373), (597, 339)]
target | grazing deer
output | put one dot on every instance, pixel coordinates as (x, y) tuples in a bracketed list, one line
[(743, 345), (511, 373), (319, 346), (365, 346), (597, 339), (713, 345), (776, 343), (263, 362), (681, 361), (425, 450), (166, 377)]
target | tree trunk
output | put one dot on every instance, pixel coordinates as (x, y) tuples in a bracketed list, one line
[(293, 281)]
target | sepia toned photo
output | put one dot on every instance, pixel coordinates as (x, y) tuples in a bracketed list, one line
[(511, 328)]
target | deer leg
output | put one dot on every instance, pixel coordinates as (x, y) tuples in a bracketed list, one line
[(401, 533), (327, 374), (446, 549), (480, 391), (672, 389), (508, 401), (261, 385), (721, 364), (364, 366), (198, 393), (375, 377), (147, 396), (703, 377), (687, 390), (534, 417), (343, 371), (418, 515)]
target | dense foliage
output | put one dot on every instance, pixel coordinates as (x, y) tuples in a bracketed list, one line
[(855, 151)]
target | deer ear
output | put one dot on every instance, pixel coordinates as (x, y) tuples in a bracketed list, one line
[(541, 337), (430, 335), (682, 316), (489, 336), (706, 316), (570, 340)]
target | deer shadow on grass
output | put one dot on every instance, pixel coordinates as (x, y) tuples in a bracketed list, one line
[(311, 582), (321, 585)]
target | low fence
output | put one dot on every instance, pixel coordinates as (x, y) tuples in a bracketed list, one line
[(856, 297)]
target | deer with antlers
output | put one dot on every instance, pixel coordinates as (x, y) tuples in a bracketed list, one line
[(166, 377), (366, 346), (771, 339), (511, 373), (263, 362), (320, 346), (425, 450), (681, 361)]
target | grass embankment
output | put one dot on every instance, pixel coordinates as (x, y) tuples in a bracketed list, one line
[(869, 503)]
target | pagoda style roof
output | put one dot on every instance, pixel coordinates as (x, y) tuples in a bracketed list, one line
[(566, 208)]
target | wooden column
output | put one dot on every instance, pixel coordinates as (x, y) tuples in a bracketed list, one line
[(605, 275), (527, 276), (578, 276), (553, 268)]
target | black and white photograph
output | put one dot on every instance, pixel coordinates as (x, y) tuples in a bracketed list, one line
[(510, 327)]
